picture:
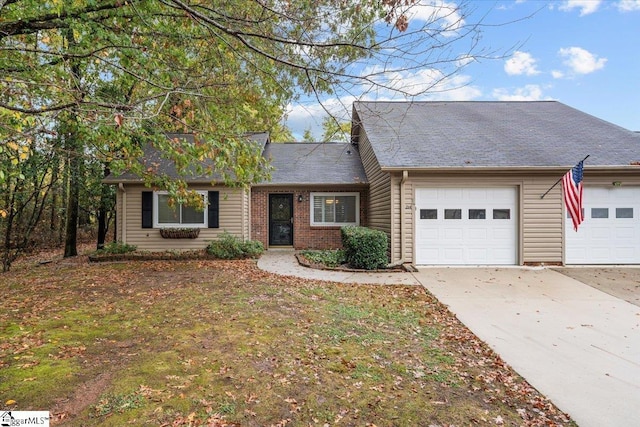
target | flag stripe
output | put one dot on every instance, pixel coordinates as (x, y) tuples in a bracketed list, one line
[(572, 192)]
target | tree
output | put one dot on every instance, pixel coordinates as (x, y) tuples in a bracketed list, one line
[(117, 74), (334, 130), (308, 136)]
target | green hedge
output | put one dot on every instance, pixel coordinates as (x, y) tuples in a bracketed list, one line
[(229, 246), (364, 247)]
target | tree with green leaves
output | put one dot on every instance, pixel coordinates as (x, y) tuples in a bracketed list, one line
[(108, 76)]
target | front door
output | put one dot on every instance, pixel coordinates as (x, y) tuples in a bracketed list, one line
[(280, 219)]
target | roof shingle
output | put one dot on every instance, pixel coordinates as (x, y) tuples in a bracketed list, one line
[(315, 163), (492, 134)]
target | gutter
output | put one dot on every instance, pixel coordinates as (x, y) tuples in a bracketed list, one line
[(403, 243), (503, 169)]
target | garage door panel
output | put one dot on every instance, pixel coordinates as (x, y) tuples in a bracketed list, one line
[(625, 232), (465, 231), (455, 234), (452, 254), (478, 234), (610, 233)]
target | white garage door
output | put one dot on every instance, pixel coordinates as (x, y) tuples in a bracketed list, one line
[(466, 226), (610, 233)]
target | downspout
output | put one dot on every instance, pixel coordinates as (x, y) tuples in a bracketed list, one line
[(403, 242), (123, 227)]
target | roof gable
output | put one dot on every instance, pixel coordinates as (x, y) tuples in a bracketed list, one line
[(491, 134)]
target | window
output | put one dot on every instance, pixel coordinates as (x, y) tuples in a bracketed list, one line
[(453, 214), (428, 214), (599, 212), (624, 212), (335, 209), (477, 214), (502, 214), (177, 215)]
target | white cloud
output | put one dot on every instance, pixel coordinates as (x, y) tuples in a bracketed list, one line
[(446, 14), (526, 93), (628, 5), (586, 6), (581, 61), (301, 117), (557, 74), (521, 63)]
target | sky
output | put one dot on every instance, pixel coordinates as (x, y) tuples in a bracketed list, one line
[(583, 53)]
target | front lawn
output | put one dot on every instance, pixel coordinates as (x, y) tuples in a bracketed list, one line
[(218, 343)]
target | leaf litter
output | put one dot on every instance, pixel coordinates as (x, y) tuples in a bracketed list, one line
[(222, 343)]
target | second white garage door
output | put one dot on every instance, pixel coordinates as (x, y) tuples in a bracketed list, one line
[(466, 226), (610, 233)]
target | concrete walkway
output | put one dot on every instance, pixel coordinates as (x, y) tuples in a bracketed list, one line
[(284, 262), (577, 345)]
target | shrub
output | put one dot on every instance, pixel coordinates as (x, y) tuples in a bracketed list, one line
[(117, 248), (330, 258), (229, 246), (364, 247)]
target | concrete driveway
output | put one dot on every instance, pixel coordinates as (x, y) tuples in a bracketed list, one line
[(576, 344)]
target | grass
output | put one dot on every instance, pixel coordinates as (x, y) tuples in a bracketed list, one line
[(222, 343)]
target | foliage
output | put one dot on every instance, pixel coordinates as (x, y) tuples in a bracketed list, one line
[(228, 246), (330, 258), (335, 131), (117, 404), (364, 247), (91, 84), (117, 248)]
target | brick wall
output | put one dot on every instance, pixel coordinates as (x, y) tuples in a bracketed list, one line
[(304, 235)]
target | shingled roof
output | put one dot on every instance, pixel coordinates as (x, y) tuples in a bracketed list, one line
[(153, 158), (314, 163), (542, 134)]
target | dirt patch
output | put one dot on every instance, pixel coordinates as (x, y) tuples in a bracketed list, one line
[(86, 395), (620, 282)]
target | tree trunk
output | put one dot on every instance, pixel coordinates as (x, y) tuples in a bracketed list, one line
[(6, 255), (73, 148), (102, 211)]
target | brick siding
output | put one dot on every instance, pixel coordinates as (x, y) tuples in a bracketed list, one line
[(304, 235)]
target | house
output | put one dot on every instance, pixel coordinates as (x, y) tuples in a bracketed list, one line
[(462, 182), (450, 183)]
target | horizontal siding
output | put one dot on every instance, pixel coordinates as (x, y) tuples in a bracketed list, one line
[(542, 221), (379, 213), (119, 215), (231, 220)]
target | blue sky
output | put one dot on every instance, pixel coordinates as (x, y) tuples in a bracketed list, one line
[(583, 53)]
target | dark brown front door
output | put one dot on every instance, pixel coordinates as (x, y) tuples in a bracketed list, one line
[(280, 219)]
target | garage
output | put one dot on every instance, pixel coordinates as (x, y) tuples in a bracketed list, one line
[(610, 233), (466, 226)]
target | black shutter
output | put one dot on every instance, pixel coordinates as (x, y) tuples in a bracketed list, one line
[(214, 209), (147, 209)]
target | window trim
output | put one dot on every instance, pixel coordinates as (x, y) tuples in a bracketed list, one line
[(156, 210), (312, 197)]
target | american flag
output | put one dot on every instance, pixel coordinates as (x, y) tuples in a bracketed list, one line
[(572, 192)]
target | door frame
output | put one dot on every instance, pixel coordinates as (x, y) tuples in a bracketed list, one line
[(269, 218)]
